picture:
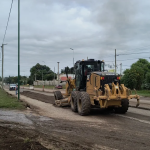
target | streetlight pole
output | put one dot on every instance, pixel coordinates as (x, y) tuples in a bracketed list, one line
[(18, 49), (73, 59), (58, 73), (120, 68)]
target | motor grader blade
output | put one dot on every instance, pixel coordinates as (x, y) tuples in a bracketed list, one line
[(115, 95), (62, 102)]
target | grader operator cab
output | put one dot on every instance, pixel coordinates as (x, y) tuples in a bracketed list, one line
[(94, 87)]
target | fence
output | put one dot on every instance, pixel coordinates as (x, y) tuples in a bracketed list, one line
[(54, 82)]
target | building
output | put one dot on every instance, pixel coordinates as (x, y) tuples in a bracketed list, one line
[(63, 77)]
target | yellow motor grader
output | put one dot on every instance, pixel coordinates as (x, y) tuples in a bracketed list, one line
[(94, 87)]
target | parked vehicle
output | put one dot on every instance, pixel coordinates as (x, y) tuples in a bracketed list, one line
[(12, 87), (58, 87)]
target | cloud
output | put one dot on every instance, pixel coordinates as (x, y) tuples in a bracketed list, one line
[(94, 29)]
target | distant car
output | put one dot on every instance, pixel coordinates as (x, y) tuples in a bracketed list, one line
[(58, 87), (12, 87)]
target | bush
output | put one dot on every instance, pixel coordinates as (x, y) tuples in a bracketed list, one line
[(146, 86)]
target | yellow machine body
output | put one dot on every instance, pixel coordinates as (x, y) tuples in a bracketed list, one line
[(94, 88), (110, 97)]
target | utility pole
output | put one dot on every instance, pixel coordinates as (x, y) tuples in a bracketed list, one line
[(42, 73), (58, 73), (35, 76), (115, 61), (2, 63), (54, 75), (18, 49), (120, 68)]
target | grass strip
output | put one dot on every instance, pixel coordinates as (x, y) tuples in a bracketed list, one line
[(145, 93), (7, 101)]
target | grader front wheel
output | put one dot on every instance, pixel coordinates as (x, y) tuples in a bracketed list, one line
[(74, 95), (124, 108), (83, 103), (58, 95)]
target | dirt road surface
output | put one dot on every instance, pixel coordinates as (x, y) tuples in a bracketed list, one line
[(63, 129)]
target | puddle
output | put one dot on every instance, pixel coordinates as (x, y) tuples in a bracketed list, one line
[(13, 116)]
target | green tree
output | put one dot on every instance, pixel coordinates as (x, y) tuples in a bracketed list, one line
[(14, 79), (148, 77), (69, 70), (135, 76), (143, 64), (41, 70), (30, 81)]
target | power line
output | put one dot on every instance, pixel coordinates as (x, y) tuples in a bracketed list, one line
[(129, 53), (139, 48), (133, 59), (133, 53), (8, 21), (129, 59)]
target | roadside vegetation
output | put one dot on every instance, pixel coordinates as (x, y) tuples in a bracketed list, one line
[(138, 76), (145, 93), (6, 101)]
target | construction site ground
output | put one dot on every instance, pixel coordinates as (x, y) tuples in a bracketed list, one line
[(44, 125)]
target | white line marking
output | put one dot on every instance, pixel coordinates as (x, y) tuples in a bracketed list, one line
[(143, 121)]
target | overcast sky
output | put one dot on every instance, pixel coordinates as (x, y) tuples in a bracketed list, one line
[(93, 28)]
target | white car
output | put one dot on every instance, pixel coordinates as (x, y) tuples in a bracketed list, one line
[(12, 87)]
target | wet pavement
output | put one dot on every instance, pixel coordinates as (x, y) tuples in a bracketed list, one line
[(14, 116)]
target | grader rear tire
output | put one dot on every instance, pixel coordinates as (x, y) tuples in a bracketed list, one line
[(124, 108), (58, 95), (74, 95), (83, 103)]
